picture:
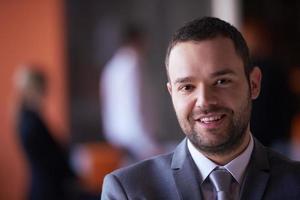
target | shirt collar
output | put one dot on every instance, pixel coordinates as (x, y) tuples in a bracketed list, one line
[(236, 167)]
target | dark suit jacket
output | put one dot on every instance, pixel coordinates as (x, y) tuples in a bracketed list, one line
[(48, 162), (175, 176)]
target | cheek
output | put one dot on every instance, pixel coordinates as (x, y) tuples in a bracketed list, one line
[(237, 100), (183, 106), (232, 97)]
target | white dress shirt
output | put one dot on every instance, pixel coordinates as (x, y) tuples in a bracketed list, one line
[(121, 102), (236, 167)]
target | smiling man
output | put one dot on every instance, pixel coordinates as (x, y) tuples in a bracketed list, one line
[(212, 84), (212, 96)]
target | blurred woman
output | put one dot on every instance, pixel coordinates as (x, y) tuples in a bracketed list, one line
[(48, 162)]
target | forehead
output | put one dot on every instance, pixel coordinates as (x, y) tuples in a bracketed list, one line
[(202, 58)]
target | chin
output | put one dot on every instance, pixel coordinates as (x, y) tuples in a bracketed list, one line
[(214, 143)]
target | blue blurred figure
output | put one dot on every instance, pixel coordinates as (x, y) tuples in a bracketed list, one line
[(50, 171)]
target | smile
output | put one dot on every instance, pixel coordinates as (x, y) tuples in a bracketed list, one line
[(211, 119)]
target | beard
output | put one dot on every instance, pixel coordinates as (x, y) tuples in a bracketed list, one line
[(226, 140)]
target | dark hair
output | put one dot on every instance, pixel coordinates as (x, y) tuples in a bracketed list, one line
[(39, 81), (208, 28), (133, 33)]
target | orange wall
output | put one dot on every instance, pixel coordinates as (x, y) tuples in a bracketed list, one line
[(31, 31)]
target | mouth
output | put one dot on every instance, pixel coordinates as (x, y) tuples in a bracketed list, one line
[(211, 121)]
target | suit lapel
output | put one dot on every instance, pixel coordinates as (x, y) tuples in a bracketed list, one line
[(187, 177), (257, 174)]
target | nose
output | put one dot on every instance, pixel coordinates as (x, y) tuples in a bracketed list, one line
[(205, 97)]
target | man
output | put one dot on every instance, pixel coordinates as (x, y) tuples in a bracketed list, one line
[(212, 84), (122, 115)]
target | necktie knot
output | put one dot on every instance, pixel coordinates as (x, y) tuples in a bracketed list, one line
[(221, 180)]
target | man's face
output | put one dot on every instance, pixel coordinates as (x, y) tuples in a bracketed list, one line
[(211, 94)]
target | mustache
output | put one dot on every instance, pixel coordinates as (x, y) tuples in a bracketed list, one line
[(210, 109)]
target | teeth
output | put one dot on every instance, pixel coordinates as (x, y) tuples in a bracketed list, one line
[(210, 119)]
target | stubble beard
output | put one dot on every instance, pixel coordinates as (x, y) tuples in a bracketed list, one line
[(229, 141)]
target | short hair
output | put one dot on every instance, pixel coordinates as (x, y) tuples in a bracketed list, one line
[(133, 33), (30, 77), (38, 81), (208, 28)]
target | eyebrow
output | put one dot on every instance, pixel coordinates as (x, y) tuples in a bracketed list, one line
[(223, 72), (183, 80), (214, 74)]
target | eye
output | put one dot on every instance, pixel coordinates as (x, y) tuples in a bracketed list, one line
[(223, 82), (186, 88)]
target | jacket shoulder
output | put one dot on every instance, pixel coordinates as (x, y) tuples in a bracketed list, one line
[(284, 170), (278, 160), (152, 179), (149, 167)]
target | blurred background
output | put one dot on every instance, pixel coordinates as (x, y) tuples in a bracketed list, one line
[(71, 43)]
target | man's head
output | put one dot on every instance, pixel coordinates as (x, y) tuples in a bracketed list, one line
[(211, 84), (209, 28), (136, 36)]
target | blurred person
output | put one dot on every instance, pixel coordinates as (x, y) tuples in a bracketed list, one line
[(124, 123), (272, 111), (50, 171), (212, 85)]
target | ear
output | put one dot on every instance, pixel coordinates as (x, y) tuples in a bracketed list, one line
[(255, 81), (169, 86)]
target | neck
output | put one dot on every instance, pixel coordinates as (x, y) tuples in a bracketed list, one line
[(33, 103), (226, 158)]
